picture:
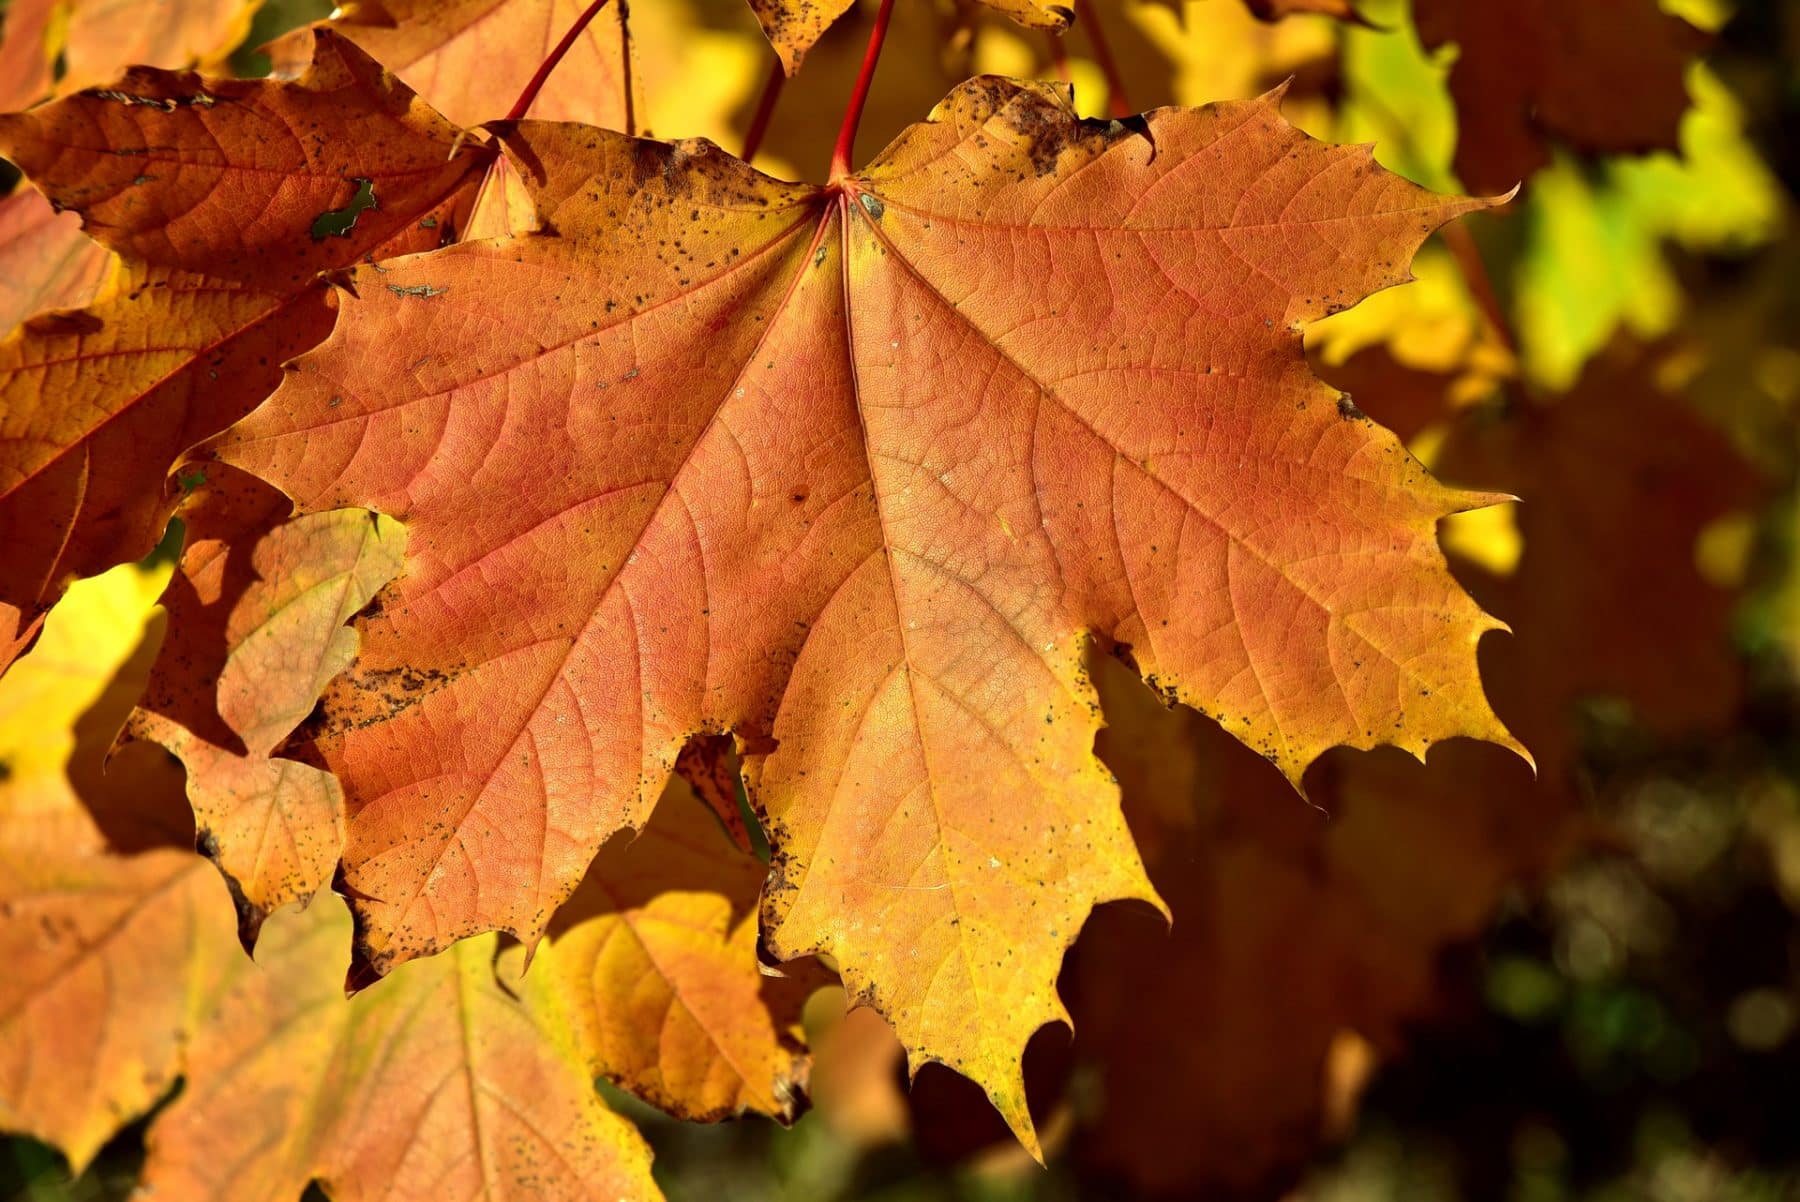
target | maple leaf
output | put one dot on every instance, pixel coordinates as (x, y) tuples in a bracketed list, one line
[(27, 62), (67, 45), (1212, 1040), (226, 199), (470, 59), (257, 614), (1024, 380), (124, 975), (62, 707), (46, 262), (86, 938), (83, 931), (793, 27), (1590, 541), (434, 1083), (1605, 76), (655, 967)]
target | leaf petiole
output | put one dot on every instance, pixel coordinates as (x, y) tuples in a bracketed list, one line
[(1089, 19), (846, 142), (536, 84)]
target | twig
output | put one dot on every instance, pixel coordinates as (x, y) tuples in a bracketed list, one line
[(765, 109), (1461, 245)]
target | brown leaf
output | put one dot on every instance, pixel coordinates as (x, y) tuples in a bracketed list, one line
[(1604, 76), (1292, 926), (1618, 478)]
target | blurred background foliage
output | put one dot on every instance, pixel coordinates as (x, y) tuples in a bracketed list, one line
[(1448, 981)]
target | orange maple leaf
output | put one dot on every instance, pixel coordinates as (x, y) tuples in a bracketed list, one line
[(227, 199), (64, 46), (256, 617), (856, 473), (46, 262), (470, 59)]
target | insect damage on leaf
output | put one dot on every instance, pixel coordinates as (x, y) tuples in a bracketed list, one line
[(337, 223), (167, 104), (1034, 381)]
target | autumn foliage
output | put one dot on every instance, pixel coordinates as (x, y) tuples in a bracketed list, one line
[(601, 595)]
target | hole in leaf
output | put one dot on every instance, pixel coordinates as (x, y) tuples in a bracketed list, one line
[(337, 223)]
